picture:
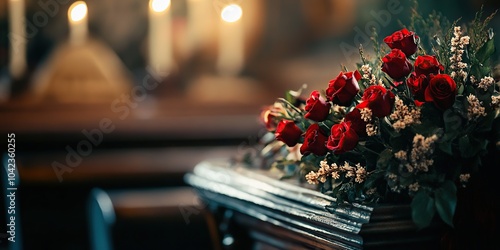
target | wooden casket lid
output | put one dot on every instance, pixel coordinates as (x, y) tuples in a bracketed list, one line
[(289, 215)]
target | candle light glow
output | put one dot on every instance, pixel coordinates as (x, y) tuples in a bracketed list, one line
[(231, 13), (160, 35), (78, 11), (200, 23), (17, 37), (231, 41), (77, 15), (160, 5)]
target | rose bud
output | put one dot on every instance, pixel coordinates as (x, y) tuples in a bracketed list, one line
[(396, 65), (378, 99), (314, 141), (441, 91), (271, 115), (342, 139), (404, 40), (317, 107), (417, 85), (358, 124), (344, 88), (268, 118), (288, 132), (426, 65)]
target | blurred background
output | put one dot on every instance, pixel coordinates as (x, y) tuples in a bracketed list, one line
[(113, 101)]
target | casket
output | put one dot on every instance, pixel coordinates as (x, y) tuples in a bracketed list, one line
[(253, 209)]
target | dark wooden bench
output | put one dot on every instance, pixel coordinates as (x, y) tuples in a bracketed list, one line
[(166, 218)]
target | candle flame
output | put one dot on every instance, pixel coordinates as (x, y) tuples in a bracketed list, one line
[(77, 11), (159, 5), (231, 13)]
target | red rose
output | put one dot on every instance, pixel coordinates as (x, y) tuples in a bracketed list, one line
[(288, 132), (314, 141), (426, 65), (317, 106), (378, 99), (268, 117), (404, 40), (342, 139), (396, 65), (344, 88), (419, 103), (354, 117), (417, 85), (441, 91)]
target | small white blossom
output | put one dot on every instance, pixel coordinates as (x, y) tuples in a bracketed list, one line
[(403, 116), (422, 151), (392, 177), (495, 101), (312, 178), (464, 178), (367, 71), (474, 110), (485, 83), (458, 43), (400, 155), (371, 191), (360, 173), (371, 129), (366, 114), (414, 187)]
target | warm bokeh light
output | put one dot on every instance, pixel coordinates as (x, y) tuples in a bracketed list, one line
[(159, 5), (77, 11), (231, 13)]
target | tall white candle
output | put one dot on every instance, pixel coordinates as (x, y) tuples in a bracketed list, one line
[(78, 22), (198, 23), (17, 37), (160, 35), (230, 58)]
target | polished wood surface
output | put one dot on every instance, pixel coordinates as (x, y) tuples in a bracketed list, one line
[(257, 211)]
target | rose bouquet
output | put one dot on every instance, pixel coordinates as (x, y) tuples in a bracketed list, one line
[(410, 125)]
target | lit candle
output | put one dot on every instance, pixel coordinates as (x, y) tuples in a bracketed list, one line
[(199, 18), (231, 41), (160, 35), (17, 37), (77, 15)]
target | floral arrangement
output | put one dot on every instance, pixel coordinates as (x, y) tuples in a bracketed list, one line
[(408, 125)]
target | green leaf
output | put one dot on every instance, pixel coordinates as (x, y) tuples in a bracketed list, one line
[(480, 69), (460, 89), (485, 52), (469, 146), (445, 146), (446, 201), (452, 124), (487, 123), (373, 178), (431, 120), (289, 97), (387, 128), (422, 209), (465, 146), (329, 123), (461, 103), (399, 142), (384, 159), (303, 125)]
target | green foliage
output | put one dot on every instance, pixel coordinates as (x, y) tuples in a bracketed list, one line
[(384, 159), (446, 201), (480, 32), (433, 25), (422, 209)]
